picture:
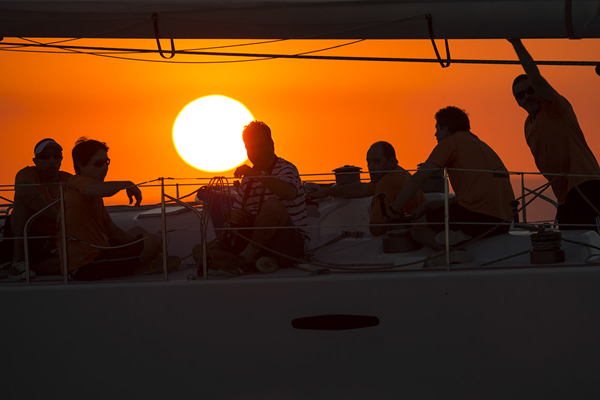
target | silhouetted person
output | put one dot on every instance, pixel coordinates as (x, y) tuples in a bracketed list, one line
[(381, 160), (89, 225), (481, 197), (271, 196), (557, 144), (30, 199)]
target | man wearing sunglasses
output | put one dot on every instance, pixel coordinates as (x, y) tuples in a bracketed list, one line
[(97, 248), (558, 145), (29, 199)]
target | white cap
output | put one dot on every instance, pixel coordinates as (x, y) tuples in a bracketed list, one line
[(42, 144)]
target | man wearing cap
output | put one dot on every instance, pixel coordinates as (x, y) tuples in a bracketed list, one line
[(35, 188)]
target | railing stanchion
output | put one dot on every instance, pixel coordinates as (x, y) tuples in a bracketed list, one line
[(25, 238), (523, 202), (447, 218), (163, 216), (63, 237), (26, 251), (204, 263), (202, 230)]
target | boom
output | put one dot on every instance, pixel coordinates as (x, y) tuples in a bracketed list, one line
[(298, 19)]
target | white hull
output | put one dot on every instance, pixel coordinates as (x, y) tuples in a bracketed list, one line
[(514, 330), (518, 334)]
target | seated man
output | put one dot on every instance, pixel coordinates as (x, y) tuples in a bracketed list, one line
[(30, 199), (381, 158), (90, 229), (271, 196), (481, 197)]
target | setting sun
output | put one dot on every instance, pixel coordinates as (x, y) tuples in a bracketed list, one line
[(208, 133)]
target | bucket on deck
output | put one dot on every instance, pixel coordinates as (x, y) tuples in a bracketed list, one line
[(347, 174)]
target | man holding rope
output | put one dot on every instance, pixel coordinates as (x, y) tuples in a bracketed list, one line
[(558, 146), (96, 247), (271, 197)]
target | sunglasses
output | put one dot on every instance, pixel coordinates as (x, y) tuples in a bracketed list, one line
[(101, 163), (46, 156), (521, 94)]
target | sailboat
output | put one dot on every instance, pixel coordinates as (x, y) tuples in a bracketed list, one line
[(507, 329)]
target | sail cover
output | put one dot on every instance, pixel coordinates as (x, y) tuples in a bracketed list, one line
[(298, 19)]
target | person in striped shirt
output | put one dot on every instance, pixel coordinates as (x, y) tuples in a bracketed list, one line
[(271, 199)]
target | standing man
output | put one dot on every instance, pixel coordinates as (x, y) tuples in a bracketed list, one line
[(30, 199), (271, 196), (387, 177), (482, 198), (90, 229), (558, 145)]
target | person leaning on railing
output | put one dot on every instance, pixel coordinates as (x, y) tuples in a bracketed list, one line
[(96, 247), (387, 177), (558, 145), (29, 199), (480, 181)]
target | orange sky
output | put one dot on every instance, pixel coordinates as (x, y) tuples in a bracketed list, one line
[(323, 114)]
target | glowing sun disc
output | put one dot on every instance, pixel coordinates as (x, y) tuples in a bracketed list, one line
[(208, 133)]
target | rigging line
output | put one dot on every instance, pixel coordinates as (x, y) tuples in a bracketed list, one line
[(4, 198), (435, 49), (127, 58), (313, 57), (332, 47), (212, 62), (239, 45), (157, 37), (20, 49), (175, 62), (72, 52)]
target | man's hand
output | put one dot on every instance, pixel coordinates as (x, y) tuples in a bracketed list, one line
[(134, 191), (427, 207), (238, 217), (421, 210), (318, 193), (400, 219), (245, 170), (311, 187)]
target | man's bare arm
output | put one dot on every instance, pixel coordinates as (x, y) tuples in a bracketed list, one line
[(352, 191), (29, 196), (541, 85), (427, 169), (282, 189), (285, 190), (108, 189)]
